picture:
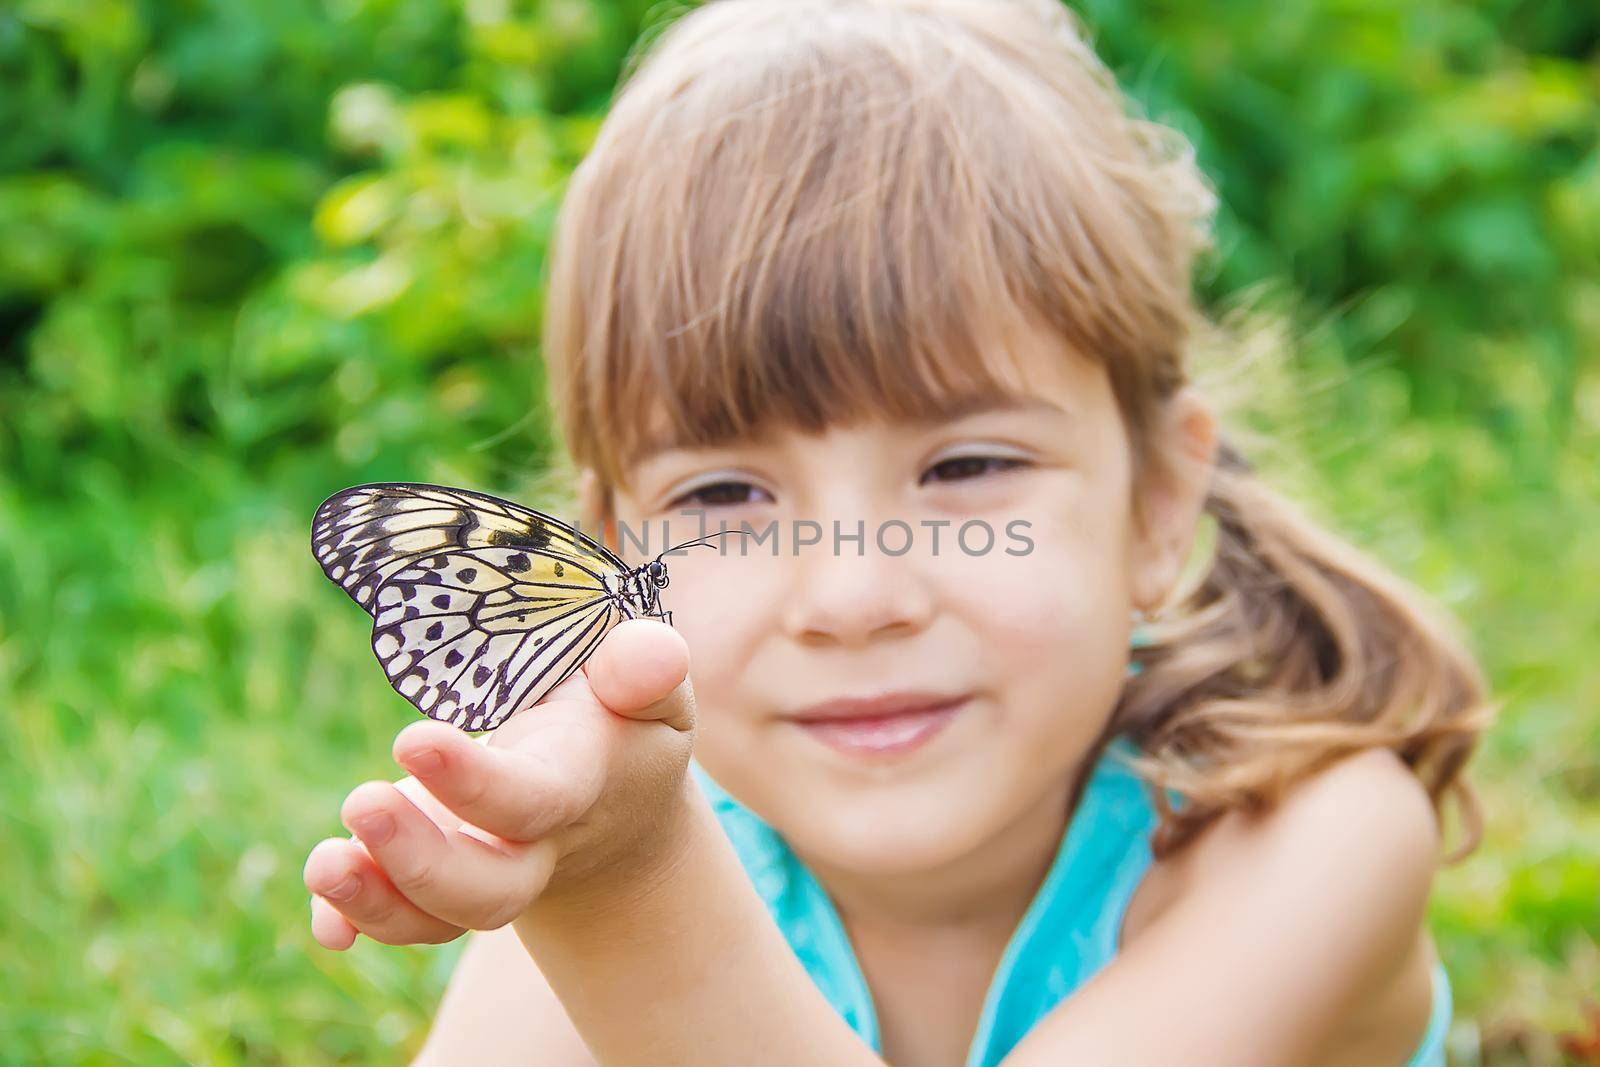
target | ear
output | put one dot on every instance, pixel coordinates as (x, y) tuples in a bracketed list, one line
[(595, 510), (1171, 496)]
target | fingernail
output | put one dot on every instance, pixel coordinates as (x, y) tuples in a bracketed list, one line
[(425, 761), (345, 889), (376, 828)]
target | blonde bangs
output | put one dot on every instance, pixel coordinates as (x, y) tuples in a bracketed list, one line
[(809, 213)]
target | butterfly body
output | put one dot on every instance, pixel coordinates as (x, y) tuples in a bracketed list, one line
[(479, 605)]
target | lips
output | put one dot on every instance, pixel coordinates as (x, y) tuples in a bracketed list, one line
[(877, 727)]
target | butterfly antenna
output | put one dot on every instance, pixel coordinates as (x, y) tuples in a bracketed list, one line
[(702, 540)]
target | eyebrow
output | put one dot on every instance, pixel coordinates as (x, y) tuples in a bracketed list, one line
[(945, 409)]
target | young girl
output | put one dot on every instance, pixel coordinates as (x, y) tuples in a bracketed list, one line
[(871, 278)]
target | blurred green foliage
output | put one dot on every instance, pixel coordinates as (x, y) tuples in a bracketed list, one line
[(252, 252)]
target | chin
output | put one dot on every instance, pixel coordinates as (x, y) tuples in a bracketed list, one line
[(890, 829)]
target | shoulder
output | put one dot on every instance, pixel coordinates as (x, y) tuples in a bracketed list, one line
[(1357, 839), (1338, 872), (1366, 811)]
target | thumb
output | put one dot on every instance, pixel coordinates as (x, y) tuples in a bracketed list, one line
[(641, 671)]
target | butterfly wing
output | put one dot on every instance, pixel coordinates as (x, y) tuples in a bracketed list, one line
[(468, 637), (362, 535), (480, 606)]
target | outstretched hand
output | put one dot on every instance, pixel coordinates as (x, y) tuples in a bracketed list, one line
[(576, 788)]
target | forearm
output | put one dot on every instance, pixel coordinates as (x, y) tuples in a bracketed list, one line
[(685, 966)]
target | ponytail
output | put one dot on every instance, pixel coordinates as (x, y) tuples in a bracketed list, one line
[(1295, 650)]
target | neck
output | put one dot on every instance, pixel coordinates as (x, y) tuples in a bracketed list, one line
[(989, 887)]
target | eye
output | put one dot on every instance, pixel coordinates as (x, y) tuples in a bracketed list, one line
[(720, 494), (961, 468)]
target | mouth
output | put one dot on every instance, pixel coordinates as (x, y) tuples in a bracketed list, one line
[(880, 727)]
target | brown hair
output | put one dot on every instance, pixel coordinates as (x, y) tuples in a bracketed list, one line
[(800, 212)]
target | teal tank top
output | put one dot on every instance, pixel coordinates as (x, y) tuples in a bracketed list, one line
[(1069, 931)]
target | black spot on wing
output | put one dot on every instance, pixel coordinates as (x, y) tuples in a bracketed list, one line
[(534, 537)]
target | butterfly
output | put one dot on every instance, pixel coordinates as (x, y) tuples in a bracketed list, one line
[(480, 606)]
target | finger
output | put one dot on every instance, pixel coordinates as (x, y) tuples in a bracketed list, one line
[(419, 794), (329, 928), (549, 771), (346, 881), (430, 805), (641, 671), (574, 686), (457, 877)]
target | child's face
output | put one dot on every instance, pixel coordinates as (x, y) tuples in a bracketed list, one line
[(1031, 631)]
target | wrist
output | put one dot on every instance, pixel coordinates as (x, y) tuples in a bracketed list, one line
[(616, 871)]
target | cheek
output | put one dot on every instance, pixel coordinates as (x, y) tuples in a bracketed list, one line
[(1054, 621), (719, 605)]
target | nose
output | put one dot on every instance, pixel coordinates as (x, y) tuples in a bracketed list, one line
[(845, 598)]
